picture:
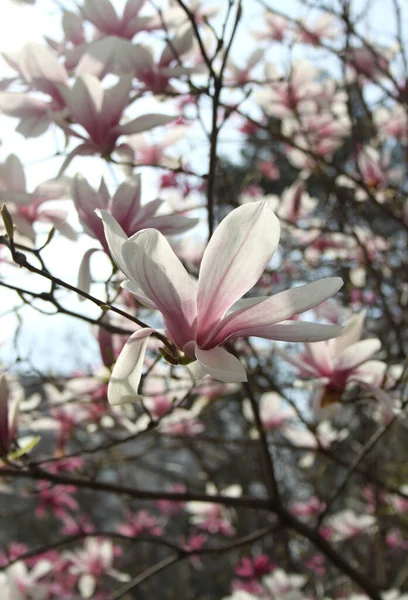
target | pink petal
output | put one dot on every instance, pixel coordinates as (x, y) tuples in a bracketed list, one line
[(134, 289), (144, 123), (41, 68), (132, 9), (320, 355), (178, 46), (357, 354), (353, 329), (115, 237), (233, 262), (292, 331), (115, 101), (87, 201), (101, 14), (372, 371), (12, 175), (84, 103), (221, 365), (53, 189), (277, 308), (126, 203), (152, 264), (171, 224), (33, 113), (126, 374)]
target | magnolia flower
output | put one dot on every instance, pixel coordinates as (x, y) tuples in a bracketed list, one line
[(102, 14), (348, 524), (100, 111), (281, 585), (325, 26), (91, 562), (276, 27), (335, 364), (125, 207), (155, 75), (40, 70), (30, 207), (202, 316), (17, 583)]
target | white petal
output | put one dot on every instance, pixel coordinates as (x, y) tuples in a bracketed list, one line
[(221, 365), (353, 329), (278, 308), (292, 331), (233, 262), (152, 264), (126, 374), (357, 354), (116, 237)]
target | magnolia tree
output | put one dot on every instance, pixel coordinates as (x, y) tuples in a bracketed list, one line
[(240, 431)]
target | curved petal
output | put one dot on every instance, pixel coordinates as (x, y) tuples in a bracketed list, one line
[(357, 354), (291, 331), (320, 356), (126, 202), (353, 329), (134, 289), (152, 264), (116, 237), (372, 371), (171, 224), (84, 273), (126, 374), (221, 365), (233, 261), (277, 308), (87, 201)]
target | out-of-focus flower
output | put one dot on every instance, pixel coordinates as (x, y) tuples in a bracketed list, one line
[(347, 524), (335, 364), (125, 207), (28, 208), (100, 111)]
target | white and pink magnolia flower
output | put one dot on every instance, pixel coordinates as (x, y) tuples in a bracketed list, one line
[(294, 203), (124, 206), (335, 364), (17, 583), (325, 26), (200, 317), (28, 208), (392, 122), (371, 62), (91, 562), (102, 15), (214, 518), (283, 585), (241, 75), (41, 71), (291, 96), (154, 74), (99, 111), (348, 524), (275, 28)]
